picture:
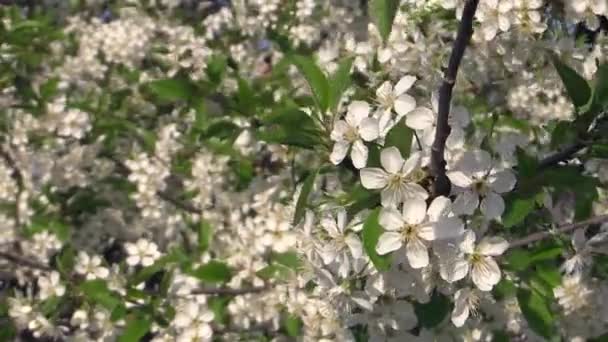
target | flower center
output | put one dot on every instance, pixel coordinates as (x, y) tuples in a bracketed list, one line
[(351, 135), (409, 232), (480, 187)]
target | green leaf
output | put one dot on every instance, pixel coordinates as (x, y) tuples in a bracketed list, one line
[(97, 291), (434, 312), (219, 306), (400, 136), (504, 289), (213, 272), (292, 325), (600, 92), (171, 89), (136, 329), (205, 232), (302, 202), (537, 312), (339, 82), (383, 14), (527, 165), (370, 234), (576, 86), (275, 271), (290, 127), (287, 259), (564, 133), (520, 259), (517, 209), (315, 78)]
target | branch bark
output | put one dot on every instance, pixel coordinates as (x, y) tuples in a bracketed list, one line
[(442, 184), (17, 177), (21, 261), (560, 156), (560, 230), (230, 291)]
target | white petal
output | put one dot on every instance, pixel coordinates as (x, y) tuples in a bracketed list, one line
[(467, 244), (420, 118), (391, 159), (461, 307), (341, 219), (404, 104), (466, 203), (329, 224), (373, 178), (385, 90), (417, 254), (460, 179), (368, 129), (502, 181), (414, 211), (493, 246), (390, 219), (412, 163), (414, 190), (485, 274), (358, 154), (339, 152), (441, 206), (449, 228), (427, 232), (454, 269), (388, 242), (357, 111), (354, 244), (404, 84), (340, 129), (492, 205)]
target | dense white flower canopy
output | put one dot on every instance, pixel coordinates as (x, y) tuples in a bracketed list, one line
[(303, 170)]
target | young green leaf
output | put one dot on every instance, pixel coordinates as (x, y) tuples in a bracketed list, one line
[(136, 328), (434, 312), (302, 202), (339, 82), (383, 14), (205, 231), (400, 136), (97, 291), (213, 272), (576, 86), (316, 79), (172, 89), (370, 234), (292, 325), (517, 208), (537, 312)]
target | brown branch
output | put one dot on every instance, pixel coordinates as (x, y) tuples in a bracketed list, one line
[(165, 195), (21, 261), (560, 230), (465, 31), (230, 291), (560, 156), (17, 177)]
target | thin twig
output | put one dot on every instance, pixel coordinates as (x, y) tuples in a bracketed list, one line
[(17, 177), (560, 230), (465, 31), (230, 291), (165, 195), (560, 156), (21, 261)]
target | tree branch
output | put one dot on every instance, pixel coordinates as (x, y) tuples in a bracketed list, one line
[(17, 177), (560, 156), (230, 291), (21, 261), (465, 31), (560, 230)]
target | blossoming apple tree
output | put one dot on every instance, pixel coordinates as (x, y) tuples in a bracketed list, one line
[(304, 170)]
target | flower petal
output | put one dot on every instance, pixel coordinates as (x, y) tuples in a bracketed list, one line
[(492, 206), (485, 274), (412, 163), (358, 154), (339, 152), (461, 307), (420, 118), (414, 211), (417, 254), (339, 131), (460, 179), (441, 206), (453, 269), (405, 83), (449, 228), (502, 181), (391, 160), (369, 129), (404, 104), (390, 219), (357, 111), (373, 178), (467, 244), (493, 246), (354, 244), (466, 203), (388, 242)]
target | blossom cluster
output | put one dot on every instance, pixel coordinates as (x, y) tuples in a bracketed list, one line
[(178, 170)]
